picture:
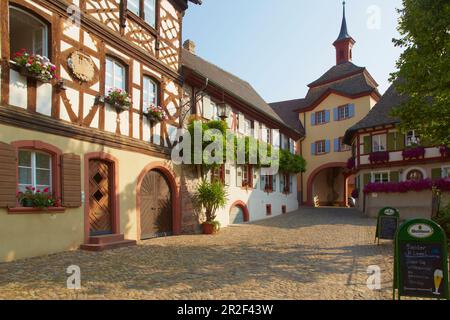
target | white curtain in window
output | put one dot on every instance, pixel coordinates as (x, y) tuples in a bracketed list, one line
[(150, 92)]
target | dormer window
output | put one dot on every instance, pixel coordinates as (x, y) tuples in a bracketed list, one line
[(145, 9)]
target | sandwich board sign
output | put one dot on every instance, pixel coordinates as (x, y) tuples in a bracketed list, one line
[(387, 224), (421, 261)]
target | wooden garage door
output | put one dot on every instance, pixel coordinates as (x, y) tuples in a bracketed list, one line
[(237, 215), (100, 195), (156, 206)]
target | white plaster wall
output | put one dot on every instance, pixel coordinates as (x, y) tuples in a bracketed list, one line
[(18, 90), (44, 98)]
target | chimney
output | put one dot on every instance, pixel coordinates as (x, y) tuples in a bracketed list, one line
[(189, 45)]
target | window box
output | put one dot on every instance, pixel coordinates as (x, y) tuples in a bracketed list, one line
[(379, 157), (25, 210), (414, 153)]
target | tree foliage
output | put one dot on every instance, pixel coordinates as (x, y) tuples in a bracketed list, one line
[(424, 69)]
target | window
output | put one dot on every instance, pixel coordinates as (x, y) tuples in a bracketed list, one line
[(321, 147), (343, 112), (27, 32), (218, 174), (267, 183), (150, 92), (446, 172), (321, 117), (247, 127), (414, 175), (215, 111), (35, 170), (412, 139), (145, 9), (115, 75), (379, 143), (380, 177)]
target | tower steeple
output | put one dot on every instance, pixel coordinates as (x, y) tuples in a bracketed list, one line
[(344, 43)]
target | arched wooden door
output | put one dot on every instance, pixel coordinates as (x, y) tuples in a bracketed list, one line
[(156, 206), (100, 196)]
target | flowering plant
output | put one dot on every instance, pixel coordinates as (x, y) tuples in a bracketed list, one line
[(351, 163), (36, 65), (118, 97), (37, 198), (414, 153), (156, 112), (406, 186), (377, 157)]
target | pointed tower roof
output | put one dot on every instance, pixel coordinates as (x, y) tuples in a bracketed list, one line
[(343, 35)]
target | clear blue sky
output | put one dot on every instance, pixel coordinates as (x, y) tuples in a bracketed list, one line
[(280, 46)]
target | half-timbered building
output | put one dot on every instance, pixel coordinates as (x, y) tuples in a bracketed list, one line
[(62, 134)]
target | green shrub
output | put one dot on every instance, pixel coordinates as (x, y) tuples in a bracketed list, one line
[(211, 196)]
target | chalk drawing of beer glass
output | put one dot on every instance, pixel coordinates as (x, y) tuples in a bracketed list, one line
[(438, 277)]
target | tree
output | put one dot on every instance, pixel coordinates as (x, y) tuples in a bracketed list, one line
[(424, 69)]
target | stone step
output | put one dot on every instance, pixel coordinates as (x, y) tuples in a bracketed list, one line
[(108, 246), (109, 238)]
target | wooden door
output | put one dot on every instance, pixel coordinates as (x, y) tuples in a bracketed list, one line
[(156, 206), (100, 196)]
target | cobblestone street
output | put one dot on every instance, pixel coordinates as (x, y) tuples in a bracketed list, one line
[(309, 254)]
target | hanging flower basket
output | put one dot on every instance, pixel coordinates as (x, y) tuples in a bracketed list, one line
[(379, 157), (118, 99), (155, 114), (35, 66), (414, 153)]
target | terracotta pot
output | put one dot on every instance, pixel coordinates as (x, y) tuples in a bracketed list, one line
[(208, 228)]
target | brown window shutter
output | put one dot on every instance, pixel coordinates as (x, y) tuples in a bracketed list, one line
[(71, 180), (8, 178)]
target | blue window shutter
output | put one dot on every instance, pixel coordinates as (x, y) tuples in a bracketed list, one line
[(313, 149), (336, 145), (313, 119), (327, 146), (327, 116), (335, 114), (351, 110)]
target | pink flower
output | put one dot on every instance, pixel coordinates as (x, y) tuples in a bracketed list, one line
[(46, 190)]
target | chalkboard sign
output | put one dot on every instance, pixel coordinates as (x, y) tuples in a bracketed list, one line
[(387, 225), (421, 260)]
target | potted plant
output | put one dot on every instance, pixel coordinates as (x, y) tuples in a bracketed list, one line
[(35, 66), (211, 196), (417, 152), (118, 99), (155, 114), (33, 198)]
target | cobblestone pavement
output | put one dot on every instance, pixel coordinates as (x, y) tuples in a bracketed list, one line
[(309, 254)]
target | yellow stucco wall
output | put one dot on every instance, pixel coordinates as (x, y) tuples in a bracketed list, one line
[(329, 131), (28, 235)]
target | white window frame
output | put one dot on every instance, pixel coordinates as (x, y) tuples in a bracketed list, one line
[(44, 35), (343, 112), (388, 173), (411, 138), (321, 117), (34, 169), (319, 145), (145, 91), (380, 139), (445, 172), (115, 63)]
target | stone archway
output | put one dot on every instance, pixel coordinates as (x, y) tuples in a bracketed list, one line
[(239, 213), (325, 177)]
